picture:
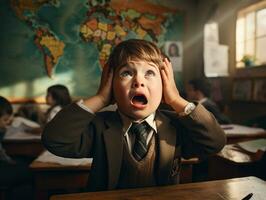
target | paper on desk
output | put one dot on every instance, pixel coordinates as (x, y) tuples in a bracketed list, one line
[(254, 145), (15, 133), (22, 122), (51, 158), (18, 130), (234, 129)]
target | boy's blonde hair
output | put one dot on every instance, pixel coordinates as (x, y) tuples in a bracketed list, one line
[(135, 50)]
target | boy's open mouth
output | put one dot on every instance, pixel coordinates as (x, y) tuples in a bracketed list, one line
[(139, 100)]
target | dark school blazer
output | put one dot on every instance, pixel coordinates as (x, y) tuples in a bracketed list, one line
[(77, 133)]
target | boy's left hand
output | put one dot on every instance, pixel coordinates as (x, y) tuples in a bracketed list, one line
[(171, 94)]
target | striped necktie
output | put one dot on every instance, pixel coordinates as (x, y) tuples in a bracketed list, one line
[(141, 132)]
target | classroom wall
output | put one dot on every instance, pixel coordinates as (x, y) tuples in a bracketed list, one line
[(225, 12), (196, 14)]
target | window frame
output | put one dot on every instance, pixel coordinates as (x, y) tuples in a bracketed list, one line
[(242, 14)]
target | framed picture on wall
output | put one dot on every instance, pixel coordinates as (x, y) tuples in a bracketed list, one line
[(259, 93), (174, 50), (242, 90)]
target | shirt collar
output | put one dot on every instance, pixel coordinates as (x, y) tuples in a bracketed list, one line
[(127, 122)]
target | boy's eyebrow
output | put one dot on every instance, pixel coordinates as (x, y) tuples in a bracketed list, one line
[(153, 65), (149, 63), (122, 66), (129, 64)]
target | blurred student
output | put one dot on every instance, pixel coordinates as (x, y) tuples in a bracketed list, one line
[(31, 111), (57, 97), (6, 111), (14, 172), (28, 118), (199, 90)]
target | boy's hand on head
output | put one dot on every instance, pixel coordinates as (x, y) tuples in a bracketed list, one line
[(104, 94), (171, 94), (105, 89)]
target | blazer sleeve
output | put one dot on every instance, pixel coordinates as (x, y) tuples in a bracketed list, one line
[(69, 133), (201, 135)]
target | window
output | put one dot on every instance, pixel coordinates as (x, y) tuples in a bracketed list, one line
[(251, 36)]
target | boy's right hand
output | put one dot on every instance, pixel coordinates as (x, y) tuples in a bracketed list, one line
[(105, 90), (104, 94)]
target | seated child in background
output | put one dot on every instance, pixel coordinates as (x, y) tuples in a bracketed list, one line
[(57, 97), (199, 90), (6, 111), (138, 145), (30, 110), (28, 118), (13, 171)]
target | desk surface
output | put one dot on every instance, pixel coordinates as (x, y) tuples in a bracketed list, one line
[(27, 147), (48, 161), (42, 166), (233, 153), (215, 190), (238, 133), (237, 162), (53, 176)]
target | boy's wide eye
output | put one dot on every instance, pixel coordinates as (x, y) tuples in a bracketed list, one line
[(125, 73), (150, 73)]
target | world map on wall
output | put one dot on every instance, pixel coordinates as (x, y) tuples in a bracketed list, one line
[(69, 42)]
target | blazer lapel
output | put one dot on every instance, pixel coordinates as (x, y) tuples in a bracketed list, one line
[(113, 138), (167, 143)]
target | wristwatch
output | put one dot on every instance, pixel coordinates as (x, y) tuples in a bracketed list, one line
[(188, 109)]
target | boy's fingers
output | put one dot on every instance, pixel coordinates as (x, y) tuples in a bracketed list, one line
[(170, 69), (169, 66), (107, 72), (110, 75), (165, 70), (164, 76)]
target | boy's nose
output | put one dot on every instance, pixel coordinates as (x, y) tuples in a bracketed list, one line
[(138, 82)]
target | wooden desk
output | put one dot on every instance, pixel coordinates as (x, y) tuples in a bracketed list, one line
[(237, 139), (20, 143), (27, 147), (186, 171), (233, 162), (214, 190), (238, 133), (52, 176)]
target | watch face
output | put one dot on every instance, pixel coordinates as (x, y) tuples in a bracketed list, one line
[(189, 108)]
